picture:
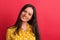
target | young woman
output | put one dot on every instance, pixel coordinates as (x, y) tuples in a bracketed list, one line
[(26, 27)]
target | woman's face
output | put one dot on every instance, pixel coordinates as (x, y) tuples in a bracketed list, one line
[(26, 15)]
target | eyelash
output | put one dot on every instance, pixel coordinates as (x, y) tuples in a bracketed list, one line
[(26, 12), (29, 14)]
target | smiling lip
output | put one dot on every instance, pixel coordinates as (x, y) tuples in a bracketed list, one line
[(24, 17)]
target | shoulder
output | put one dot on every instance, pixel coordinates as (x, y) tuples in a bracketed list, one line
[(30, 26), (11, 29)]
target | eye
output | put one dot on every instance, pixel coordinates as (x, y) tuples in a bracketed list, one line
[(25, 11), (30, 14)]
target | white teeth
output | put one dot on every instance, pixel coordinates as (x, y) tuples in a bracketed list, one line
[(24, 17)]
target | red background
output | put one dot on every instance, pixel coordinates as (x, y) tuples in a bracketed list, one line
[(48, 16)]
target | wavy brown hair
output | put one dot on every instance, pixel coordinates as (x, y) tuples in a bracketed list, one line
[(32, 22)]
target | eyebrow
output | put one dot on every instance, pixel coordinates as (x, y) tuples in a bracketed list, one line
[(29, 12)]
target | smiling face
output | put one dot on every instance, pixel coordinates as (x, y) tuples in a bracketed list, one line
[(26, 15)]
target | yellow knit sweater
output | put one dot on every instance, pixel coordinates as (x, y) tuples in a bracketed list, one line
[(23, 35)]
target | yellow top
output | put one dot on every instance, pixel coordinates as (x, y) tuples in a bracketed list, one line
[(23, 35)]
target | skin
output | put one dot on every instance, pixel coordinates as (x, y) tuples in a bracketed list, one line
[(26, 15)]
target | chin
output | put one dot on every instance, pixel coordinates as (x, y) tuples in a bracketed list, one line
[(24, 20)]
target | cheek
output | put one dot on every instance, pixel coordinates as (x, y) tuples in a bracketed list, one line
[(30, 17), (22, 14)]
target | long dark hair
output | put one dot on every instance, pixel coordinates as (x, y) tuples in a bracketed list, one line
[(32, 22)]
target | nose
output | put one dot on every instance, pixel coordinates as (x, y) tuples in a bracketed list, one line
[(26, 14)]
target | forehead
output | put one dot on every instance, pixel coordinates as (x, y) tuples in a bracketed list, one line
[(29, 9)]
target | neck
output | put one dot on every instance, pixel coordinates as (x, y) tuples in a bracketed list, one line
[(24, 25)]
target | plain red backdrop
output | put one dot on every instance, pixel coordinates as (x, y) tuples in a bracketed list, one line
[(48, 16)]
